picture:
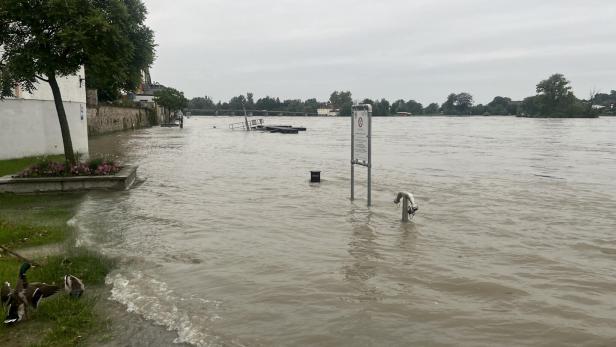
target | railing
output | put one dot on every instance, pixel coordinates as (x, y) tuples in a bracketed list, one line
[(247, 124)]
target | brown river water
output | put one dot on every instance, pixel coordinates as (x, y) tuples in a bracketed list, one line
[(226, 243)]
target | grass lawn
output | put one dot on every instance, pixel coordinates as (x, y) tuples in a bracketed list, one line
[(34, 220), (13, 166)]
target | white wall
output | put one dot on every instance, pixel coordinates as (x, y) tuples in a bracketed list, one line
[(29, 123), (69, 87)]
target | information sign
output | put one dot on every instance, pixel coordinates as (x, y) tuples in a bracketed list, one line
[(361, 129), (361, 142)]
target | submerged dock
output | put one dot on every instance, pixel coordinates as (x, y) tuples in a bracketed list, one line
[(259, 125)]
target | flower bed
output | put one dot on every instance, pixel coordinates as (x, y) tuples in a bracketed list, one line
[(96, 167)]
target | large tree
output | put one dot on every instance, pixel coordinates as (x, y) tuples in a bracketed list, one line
[(555, 96), (464, 102), (431, 109), (414, 107), (381, 108), (342, 101), (458, 103), (398, 106), (268, 103), (171, 99), (238, 102), (201, 103), (311, 105), (110, 76), (46, 40), (501, 106)]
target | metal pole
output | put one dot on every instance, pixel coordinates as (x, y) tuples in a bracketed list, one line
[(352, 154), (405, 209), (369, 158)]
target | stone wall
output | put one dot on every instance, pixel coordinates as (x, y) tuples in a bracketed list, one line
[(106, 119)]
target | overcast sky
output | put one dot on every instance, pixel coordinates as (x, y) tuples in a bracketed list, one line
[(397, 49)]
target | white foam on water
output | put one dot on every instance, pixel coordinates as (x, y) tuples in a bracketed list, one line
[(153, 300), (72, 222)]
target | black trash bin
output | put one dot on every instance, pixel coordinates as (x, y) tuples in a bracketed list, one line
[(315, 176)]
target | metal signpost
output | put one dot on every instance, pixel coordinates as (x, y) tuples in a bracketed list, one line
[(361, 145)]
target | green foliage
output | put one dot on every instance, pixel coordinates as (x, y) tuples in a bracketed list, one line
[(410, 106), (342, 101), (381, 108), (501, 106), (458, 104), (44, 40), (110, 75), (606, 102), (268, 103), (311, 105), (554, 88), (555, 99), (554, 96), (57, 37), (201, 103), (171, 99), (432, 109), (604, 99), (238, 102)]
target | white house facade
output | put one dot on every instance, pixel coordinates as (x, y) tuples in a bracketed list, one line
[(328, 112), (29, 122)]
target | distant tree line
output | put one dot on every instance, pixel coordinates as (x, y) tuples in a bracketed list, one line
[(554, 98)]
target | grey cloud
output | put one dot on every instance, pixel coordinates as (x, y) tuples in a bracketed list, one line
[(394, 49)]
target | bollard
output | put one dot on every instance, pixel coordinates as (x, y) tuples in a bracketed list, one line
[(315, 176)]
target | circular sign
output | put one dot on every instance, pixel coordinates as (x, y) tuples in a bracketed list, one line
[(360, 122)]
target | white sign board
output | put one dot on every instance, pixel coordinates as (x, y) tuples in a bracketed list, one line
[(361, 131)]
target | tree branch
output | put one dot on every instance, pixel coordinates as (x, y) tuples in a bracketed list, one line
[(41, 78), (18, 256)]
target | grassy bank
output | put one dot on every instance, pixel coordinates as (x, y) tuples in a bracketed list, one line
[(12, 166), (38, 220)]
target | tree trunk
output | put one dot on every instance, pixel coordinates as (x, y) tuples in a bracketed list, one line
[(66, 132)]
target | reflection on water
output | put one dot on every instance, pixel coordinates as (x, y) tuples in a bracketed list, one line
[(228, 244)]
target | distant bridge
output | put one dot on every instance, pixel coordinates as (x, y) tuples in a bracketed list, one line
[(265, 113)]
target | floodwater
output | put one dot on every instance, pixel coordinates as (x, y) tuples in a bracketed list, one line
[(226, 243)]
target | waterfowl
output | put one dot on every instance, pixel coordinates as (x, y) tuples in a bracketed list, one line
[(37, 291), (25, 294), (16, 310), (17, 302), (73, 286), (5, 293)]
